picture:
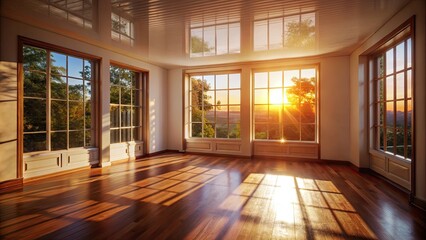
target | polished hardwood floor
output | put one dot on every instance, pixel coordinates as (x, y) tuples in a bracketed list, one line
[(184, 196)]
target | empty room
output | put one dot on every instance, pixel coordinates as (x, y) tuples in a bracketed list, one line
[(227, 119)]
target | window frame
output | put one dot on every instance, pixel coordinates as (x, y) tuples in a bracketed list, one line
[(95, 99), (141, 75), (228, 105), (87, 23), (281, 123), (121, 34)]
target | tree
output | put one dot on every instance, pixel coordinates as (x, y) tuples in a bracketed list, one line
[(300, 34), (199, 106), (199, 46)]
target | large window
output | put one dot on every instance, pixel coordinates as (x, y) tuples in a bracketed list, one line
[(122, 29), (215, 105), (214, 39), (79, 12), (285, 105), (126, 105), (393, 101), (293, 31), (58, 100)]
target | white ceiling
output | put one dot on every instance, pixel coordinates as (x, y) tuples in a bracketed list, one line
[(341, 25)]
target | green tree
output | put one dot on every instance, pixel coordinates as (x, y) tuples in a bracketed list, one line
[(199, 106), (300, 34)]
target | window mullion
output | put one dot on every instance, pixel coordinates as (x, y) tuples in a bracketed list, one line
[(48, 102)]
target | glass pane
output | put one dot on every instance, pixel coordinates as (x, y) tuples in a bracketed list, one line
[(88, 139), (58, 64), (75, 67), (115, 136), (260, 35), (88, 114), (135, 116), (221, 97), (389, 61), (308, 132), (208, 82), (380, 67), (196, 114), (126, 77), (197, 44), (400, 56), (409, 84), (274, 132), (222, 81), (34, 115), (208, 131), (261, 96), (34, 84), (234, 114), (234, 96), (400, 110), (222, 39), (291, 115), (115, 94), (409, 113), (209, 41), (399, 142), (307, 113), (389, 140), (209, 99), (87, 90), (381, 139), (234, 38), (75, 88), (308, 73), (261, 80), (409, 53), (234, 130), (114, 75), (126, 135), (381, 113), (234, 80), (196, 129), (58, 141), (59, 115), (76, 115), (291, 78), (136, 134), (260, 131), (409, 144), (221, 114), (275, 79), (114, 116), (389, 114), (76, 139), (261, 113), (275, 113), (87, 70), (34, 59), (275, 33), (400, 86), (389, 88), (291, 132), (58, 87), (35, 142), (276, 96), (126, 95), (209, 115), (136, 98), (125, 116), (221, 130), (380, 90)]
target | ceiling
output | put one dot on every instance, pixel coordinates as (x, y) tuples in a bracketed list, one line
[(341, 25)]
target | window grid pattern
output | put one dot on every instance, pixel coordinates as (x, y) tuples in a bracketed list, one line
[(215, 105), (215, 39), (290, 31), (125, 105), (285, 106), (393, 100), (122, 29), (57, 101), (79, 12)]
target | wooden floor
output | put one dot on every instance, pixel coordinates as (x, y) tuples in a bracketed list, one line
[(182, 196)]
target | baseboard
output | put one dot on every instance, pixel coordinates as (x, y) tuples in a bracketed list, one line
[(167, 151), (419, 203), (11, 185), (218, 154), (56, 174)]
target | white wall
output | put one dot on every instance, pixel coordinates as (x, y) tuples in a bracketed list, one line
[(174, 109), (359, 147)]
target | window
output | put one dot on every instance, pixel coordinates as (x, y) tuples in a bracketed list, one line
[(215, 105), (214, 39), (285, 105), (58, 100), (293, 31), (122, 29), (393, 100), (126, 105), (79, 12)]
